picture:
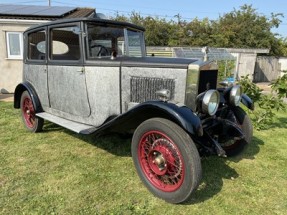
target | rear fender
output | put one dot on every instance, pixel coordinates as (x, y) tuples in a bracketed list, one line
[(35, 99)]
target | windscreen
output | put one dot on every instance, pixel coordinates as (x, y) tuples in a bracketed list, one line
[(113, 41)]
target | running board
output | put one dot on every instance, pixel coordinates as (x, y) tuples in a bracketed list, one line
[(71, 125)]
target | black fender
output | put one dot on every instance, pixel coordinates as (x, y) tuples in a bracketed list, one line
[(181, 115), (247, 101), (35, 99)]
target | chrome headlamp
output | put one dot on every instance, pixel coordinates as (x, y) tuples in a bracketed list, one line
[(235, 95), (209, 102)]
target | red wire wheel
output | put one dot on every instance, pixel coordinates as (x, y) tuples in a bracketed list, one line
[(28, 111), (31, 121), (166, 159), (161, 161)]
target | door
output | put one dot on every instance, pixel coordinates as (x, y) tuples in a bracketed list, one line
[(35, 67), (66, 75)]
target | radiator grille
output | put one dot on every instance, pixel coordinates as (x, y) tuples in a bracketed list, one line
[(144, 88)]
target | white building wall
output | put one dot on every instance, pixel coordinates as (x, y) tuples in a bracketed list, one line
[(283, 63), (11, 69)]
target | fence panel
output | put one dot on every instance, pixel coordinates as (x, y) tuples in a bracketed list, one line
[(267, 69)]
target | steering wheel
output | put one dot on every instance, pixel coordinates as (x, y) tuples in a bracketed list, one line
[(103, 49)]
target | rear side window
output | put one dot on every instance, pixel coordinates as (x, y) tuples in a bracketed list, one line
[(37, 45), (65, 43)]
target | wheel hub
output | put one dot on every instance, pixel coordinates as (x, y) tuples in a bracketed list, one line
[(161, 161), (28, 112), (157, 162)]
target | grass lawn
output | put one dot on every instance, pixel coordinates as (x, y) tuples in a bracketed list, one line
[(59, 172)]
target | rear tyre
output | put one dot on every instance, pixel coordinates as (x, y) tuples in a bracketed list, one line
[(28, 111), (234, 147), (166, 160)]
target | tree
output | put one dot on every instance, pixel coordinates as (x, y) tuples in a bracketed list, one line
[(158, 31), (245, 28), (201, 32)]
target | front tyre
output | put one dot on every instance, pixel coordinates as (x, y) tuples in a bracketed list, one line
[(30, 120), (166, 160), (239, 116)]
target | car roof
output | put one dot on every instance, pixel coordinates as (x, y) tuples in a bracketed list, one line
[(84, 19)]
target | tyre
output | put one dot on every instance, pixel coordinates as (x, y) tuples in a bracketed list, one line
[(31, 121), (166, 160), (239, 116)]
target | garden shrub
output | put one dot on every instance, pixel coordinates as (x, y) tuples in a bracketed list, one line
[(262, 117)]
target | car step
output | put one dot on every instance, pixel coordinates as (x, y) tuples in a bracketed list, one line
[(71, 125)]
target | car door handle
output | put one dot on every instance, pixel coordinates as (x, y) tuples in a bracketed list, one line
[(81, 70)]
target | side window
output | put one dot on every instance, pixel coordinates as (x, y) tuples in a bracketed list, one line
[(14, 45), (37, 45), (65, 43), (135, 45)]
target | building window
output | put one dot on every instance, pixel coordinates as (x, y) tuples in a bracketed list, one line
[(14, 45)]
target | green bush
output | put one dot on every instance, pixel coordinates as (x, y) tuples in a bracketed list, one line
[(262, 117), (280, 86)]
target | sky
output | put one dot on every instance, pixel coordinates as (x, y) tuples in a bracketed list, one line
[(188, 9)]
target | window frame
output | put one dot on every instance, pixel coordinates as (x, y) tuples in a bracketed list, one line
[(26, 48), (8, 48), (125, 29), (78, 62)]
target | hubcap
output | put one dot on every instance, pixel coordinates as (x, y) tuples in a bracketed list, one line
[(161, 161), (157, 162)]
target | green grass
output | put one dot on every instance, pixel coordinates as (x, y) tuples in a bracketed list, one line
[(59, 172)]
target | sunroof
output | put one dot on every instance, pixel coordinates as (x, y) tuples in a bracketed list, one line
[(28, 10)]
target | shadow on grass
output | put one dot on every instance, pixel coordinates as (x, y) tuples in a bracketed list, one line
[(249, 151), (114, 143), (214, 169), (49, 127), (281, 122)]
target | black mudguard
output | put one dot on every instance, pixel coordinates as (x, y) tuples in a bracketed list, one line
[(181, 115), (18, 92), (247, 101)]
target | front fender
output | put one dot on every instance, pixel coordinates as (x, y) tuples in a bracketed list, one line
[(181, 115), (18, 92), (247, 101)]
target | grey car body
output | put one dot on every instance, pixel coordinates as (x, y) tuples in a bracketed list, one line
[(93, 76)]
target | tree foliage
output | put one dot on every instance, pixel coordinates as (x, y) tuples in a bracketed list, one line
[(245, 28), (240, 28)]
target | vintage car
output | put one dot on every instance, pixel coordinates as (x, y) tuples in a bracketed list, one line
[(92, 76)]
